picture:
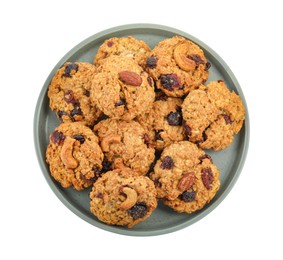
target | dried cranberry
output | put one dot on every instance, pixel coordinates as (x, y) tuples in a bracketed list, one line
[(227, 119), (57, 137), (87, 93), (69, 68), (207, 66), (61, 113), (205, 156), (167, 163), (207, 177), (122, 102), (69, 96), (170, 81), (110, 43), (151, 62), (175, 118), (187, 129), (146, 140), (79, 138), (157, 183), (138, 211), (76, 111), (99, 195), (197, 59), (188, 196)]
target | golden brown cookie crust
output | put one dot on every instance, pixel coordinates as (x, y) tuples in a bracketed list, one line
[(124, 143), (74, 156), (121, 89), (178, 66), (213, 115), (129, 47), (69, 93), (185, 177), (121, 197)]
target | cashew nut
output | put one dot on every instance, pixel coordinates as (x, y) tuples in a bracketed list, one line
[(131, 199), (180, 56), (109, 139), (67, 153)]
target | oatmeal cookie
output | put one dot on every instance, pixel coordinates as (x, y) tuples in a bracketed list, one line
[(185, 177), (125, 144), (121, 89), (213, 115), (121, 197), (74, 156), (178, 66), (69, 93), (129, 47), (164, 121)]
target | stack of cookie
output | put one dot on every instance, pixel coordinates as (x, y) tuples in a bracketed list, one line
[(134, 125)]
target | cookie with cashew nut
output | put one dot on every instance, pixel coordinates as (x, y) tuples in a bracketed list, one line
[(129, 47), (125, 144), (69, 93), (121, 88), (185, 177), (178, 66), (164, 121), (122, 197), (212, 115), (74, 156)]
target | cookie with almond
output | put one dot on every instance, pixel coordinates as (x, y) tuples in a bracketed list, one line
[(185, 177), (121, 88)]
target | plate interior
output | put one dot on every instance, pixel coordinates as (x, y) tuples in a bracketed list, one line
[(163, 219)]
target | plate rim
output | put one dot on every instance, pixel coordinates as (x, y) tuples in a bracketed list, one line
[(115, 229)]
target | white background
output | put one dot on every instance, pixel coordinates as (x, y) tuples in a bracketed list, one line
[(36, 34)]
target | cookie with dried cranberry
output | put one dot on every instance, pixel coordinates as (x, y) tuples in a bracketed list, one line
[(125, 144), (178, 66), (121, 197), (69, 93), (74, 156), (213, 115), (185, 177), (164, 121), (121, 88), (129, 47)]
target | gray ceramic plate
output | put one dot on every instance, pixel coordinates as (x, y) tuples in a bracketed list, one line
[(163, 220)]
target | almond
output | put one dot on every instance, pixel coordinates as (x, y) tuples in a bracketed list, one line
[(186, 181), (130, 78)]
